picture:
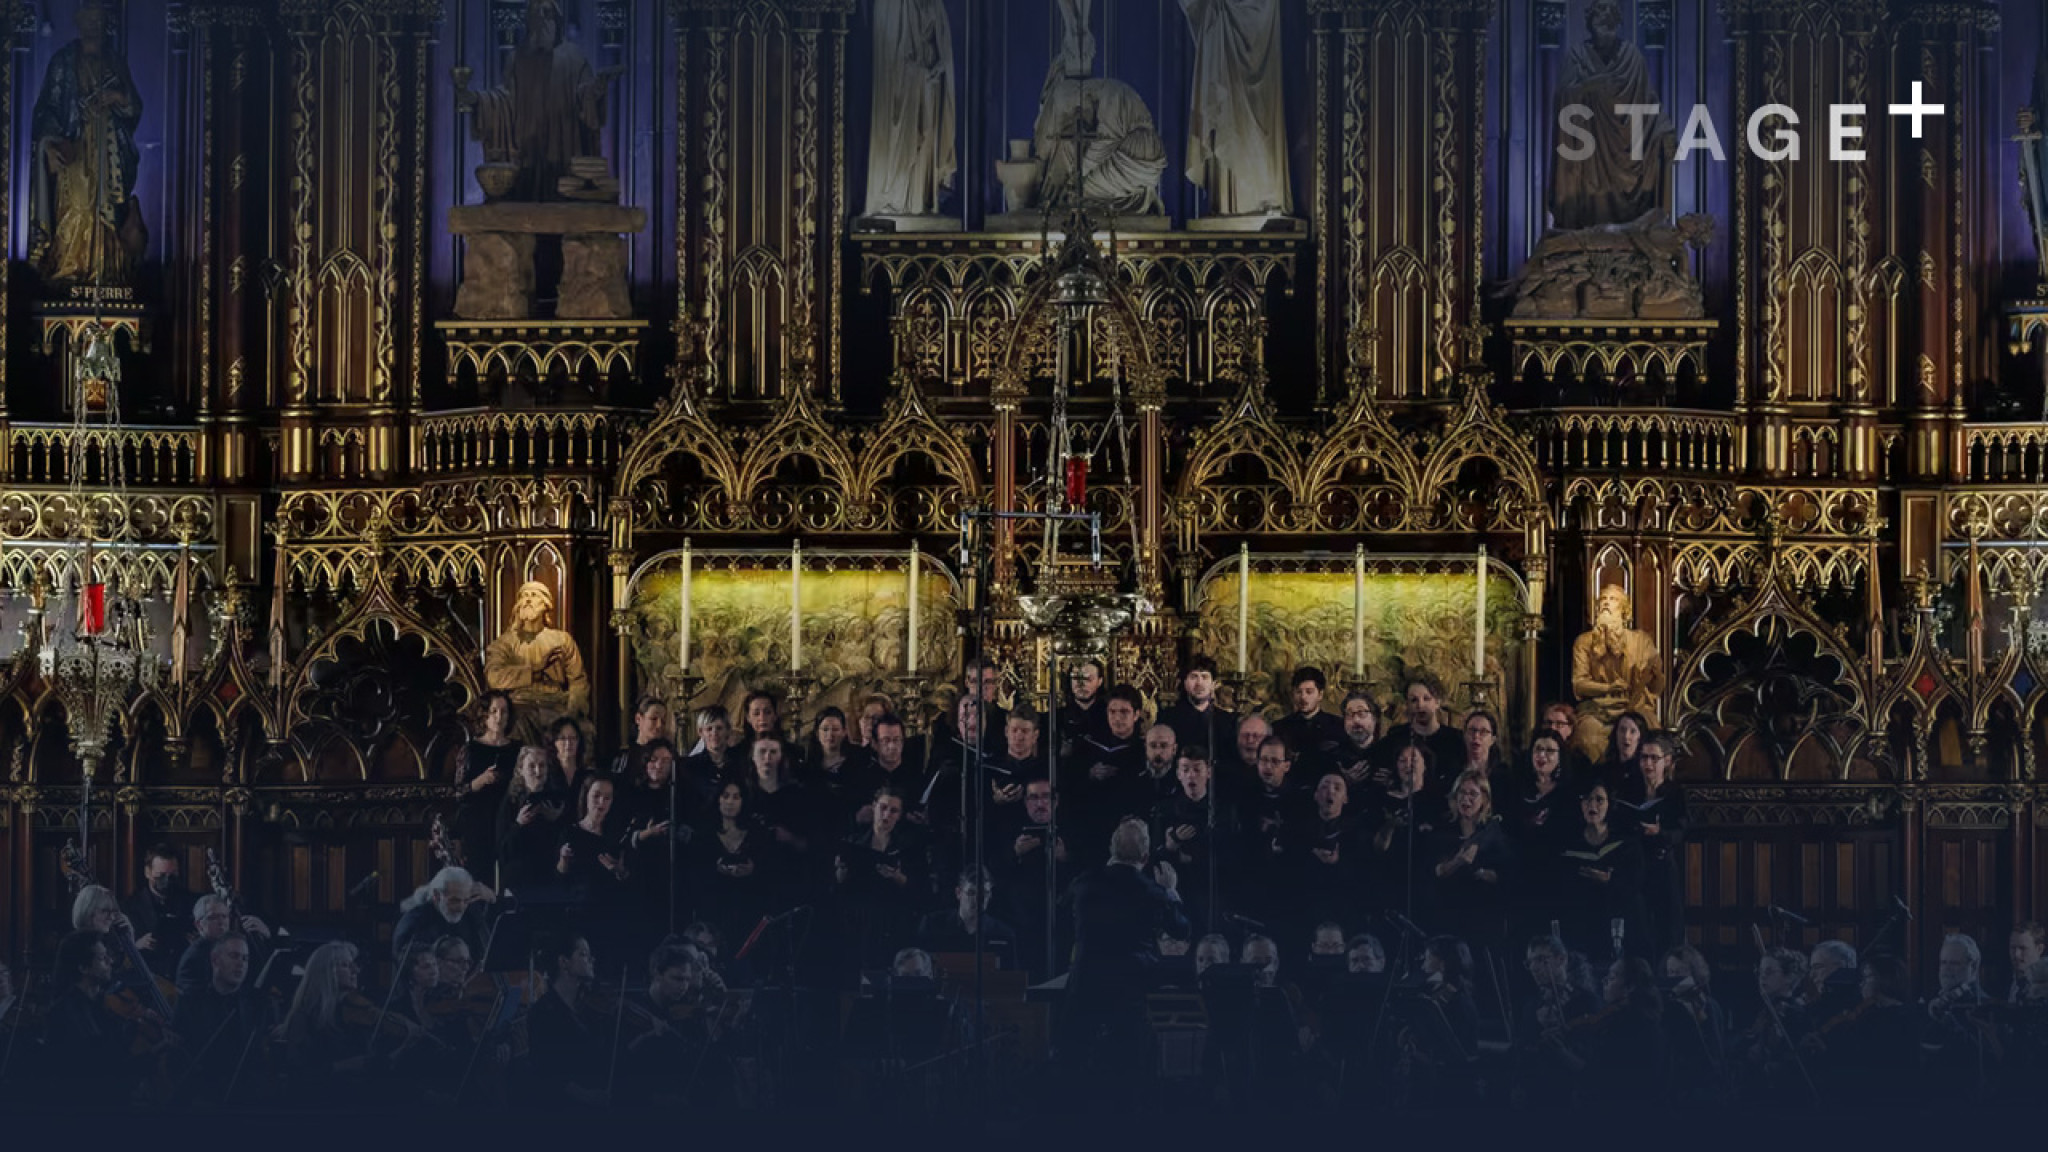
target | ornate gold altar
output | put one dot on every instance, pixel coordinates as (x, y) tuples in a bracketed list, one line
[(1824, 552)]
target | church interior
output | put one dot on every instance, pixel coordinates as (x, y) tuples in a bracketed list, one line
[(367, 362)]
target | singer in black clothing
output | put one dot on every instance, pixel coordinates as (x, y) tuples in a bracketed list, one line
[(1658, 821), (1600, 877), (1325, 857), (882, 880), (483, 771), (1313, 734), (1083, 714), (1195, 718), (1424, 726), (1197, 834)]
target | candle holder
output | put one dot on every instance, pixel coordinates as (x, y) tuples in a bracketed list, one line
[(796, 690), (683, 687), (909, 690), (1239, 685), (1479, 692)]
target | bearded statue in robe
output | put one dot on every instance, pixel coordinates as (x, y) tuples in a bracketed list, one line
[(1618, 182), (1237, 126), (539, 664), (84, 223), (911, 157), (1615, 669), (548, 113)]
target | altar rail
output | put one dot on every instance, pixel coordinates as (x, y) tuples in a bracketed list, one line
[(148, 456), (491, 440), (1668, 440), (2007, 453)]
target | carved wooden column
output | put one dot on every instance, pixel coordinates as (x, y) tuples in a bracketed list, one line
[(238, 78), (1400, 87), (11, 13), (1944, 47), (355, 185), (762, 206)]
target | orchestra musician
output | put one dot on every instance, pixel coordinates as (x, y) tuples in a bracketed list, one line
[(219, 1022), (95, 1049), (451, 904), (1695, 1026), (161, 913), (213, 917), (569, 1036)]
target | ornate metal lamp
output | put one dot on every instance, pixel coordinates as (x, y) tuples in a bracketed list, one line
[(97, 656)]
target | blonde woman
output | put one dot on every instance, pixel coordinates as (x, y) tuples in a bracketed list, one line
[(1470, 854), (529, 822), (318, 1044)]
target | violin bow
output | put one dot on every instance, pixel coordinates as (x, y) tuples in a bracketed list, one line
[(618, 1031), (28, 980), (404, 966), (476, 1049)]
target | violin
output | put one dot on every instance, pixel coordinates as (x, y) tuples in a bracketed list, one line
[(359, 1013), (139, 996)]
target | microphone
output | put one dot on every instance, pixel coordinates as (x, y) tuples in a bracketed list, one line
[(363, 886), (1903, 909), (1617, 931), (1244, 920), (1794, 917), (779, 917), (1405, 924)]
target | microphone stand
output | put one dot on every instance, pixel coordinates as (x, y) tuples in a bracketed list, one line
[(1052, 830)]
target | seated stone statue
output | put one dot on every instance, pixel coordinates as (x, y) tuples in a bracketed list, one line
[(1123, 158), (1615, 669), (538, 664)]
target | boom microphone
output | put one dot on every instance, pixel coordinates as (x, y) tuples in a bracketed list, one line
[(1787, 914)]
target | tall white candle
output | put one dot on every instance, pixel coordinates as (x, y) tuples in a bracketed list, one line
[(1358, 614), (1244, 608), (1479, 622), (910, 652), (796, 606), (683, 621)]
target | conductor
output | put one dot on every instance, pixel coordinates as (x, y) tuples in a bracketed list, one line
[(1119, 914)]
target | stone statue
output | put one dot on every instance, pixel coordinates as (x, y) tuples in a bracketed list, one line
[(1617, 183), (84, 223), (2034, 167), (1121, 155), (911, 156), (1237, 127), (541, 127), (538, 664), (1615, 669)]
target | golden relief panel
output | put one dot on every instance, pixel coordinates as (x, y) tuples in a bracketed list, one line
[(853, 638), (1414, 616)]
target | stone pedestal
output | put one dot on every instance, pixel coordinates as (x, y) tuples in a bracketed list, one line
[(593, 278), (497, 273), (497, 277)]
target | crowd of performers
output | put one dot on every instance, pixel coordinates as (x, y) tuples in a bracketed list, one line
[(1324, 909)]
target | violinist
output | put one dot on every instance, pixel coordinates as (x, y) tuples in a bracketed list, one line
[(2028, 943), (1832, 983), (1865, 1054), (325, 1039), (214, 918), (219, 1021), (569, 1034), (1617, 1053), (665, 1031), (90, 1051), (451, 904), (1563, 993), (161, 913), (1953, 1040), (1770, 1061), (1695, 1025), (95, 910), (1438, 1039)]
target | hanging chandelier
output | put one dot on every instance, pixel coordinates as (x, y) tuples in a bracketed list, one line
[(97, 651), (1077, 603)]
